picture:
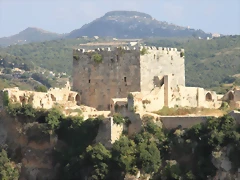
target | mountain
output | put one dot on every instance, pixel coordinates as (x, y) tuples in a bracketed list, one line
[(29, 35), (132, 24)]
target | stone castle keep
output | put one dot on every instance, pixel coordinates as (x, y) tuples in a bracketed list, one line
[(155, 77)]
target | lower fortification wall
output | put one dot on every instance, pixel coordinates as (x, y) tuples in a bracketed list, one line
[(170, 122), (108, 132)]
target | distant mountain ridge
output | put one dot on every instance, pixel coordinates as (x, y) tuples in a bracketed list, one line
[(119, 24), (133, 24), (31, 34)]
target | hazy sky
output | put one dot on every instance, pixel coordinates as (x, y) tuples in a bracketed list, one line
[(63, 16)]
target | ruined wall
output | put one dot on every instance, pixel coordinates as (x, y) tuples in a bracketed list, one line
[(159, 62), (114, 77), (46, 100)]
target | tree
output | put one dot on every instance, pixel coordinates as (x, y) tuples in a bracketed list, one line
[(8, 170), (124, 154), (53, 118), (41, 88), (98, 158), (149, 159)]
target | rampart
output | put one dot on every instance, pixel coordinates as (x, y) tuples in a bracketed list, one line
[(171, 122)]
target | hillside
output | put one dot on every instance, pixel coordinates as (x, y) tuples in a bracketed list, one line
[(132, 24), (209, 63), (29, 35)]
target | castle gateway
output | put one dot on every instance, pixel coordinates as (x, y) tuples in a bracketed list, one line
[(102, 74)]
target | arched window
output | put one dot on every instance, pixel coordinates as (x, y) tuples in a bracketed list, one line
[(230, 96), (77, 99), (208, 97)]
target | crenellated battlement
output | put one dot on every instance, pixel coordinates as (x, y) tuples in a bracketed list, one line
[(128, 48)]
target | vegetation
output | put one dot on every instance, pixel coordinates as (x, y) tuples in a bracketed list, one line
[(8, 169), (118, 119), (97, 58), (76, 57), (144, 51), (5, 98), (41, 88), (166, 111), (164, 154)]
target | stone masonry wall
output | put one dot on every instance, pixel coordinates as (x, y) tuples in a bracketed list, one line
[(114, 77), (108, 132), (159, 62), (171, 122)]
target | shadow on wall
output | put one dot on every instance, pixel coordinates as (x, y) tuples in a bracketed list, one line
[(53, 97), (230, 96)]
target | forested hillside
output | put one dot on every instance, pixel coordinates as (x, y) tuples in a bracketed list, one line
[(209, 63)]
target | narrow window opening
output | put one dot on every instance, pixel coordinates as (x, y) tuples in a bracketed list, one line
[(89, 81), (112, 60), (154, 56), (125, 79), (117, 58)]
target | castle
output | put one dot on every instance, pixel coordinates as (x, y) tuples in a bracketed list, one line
[(152, 76), (131, 81), (123, 79)]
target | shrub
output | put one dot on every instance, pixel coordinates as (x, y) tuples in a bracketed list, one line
[(118, 119), (130, 96), (143, 51), (8, 170), (41, 88), (224, 106), (17, 109), (5, 98), (97, 58), (76, 57), (53, 118)]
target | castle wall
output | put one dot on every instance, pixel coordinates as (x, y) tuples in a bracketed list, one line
[(171, 122), (114, 77), (108, 132), (159, 62)]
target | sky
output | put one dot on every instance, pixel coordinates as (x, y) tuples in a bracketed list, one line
[(63, 16)]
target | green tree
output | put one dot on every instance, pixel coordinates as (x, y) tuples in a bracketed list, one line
[(149, 159), (41, 88), (124, 154), (53, 118), (8, 170), (98, 158)]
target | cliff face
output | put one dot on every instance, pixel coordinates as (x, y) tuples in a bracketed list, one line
[(29, 146)]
